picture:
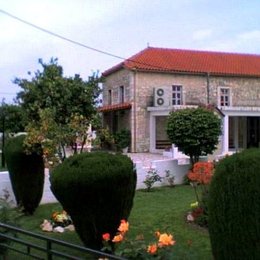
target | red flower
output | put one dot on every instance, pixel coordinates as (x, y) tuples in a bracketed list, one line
[(152, 249), (201, 172), (106, 236)]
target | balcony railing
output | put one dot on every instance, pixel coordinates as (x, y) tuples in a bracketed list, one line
[(43, 247)]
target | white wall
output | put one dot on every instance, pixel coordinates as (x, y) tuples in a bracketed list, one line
[(6, 184), (178, 170)]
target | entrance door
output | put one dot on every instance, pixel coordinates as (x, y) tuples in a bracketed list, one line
[(253, 132)]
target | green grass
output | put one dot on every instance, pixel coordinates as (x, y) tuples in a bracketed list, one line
[(161, 209)]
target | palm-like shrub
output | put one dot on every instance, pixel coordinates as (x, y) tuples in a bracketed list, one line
[(234, 207), (26, 173), (97, 190)]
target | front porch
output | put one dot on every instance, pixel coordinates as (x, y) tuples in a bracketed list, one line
[(240, 130)]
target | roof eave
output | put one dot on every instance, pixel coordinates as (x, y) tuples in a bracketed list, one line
[(198, 73), (113, 69)]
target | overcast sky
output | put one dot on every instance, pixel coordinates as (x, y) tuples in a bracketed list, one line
[(119, 27)]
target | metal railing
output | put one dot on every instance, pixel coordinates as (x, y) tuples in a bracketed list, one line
[(47, 251)]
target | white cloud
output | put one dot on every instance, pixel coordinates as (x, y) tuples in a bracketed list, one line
[(202, 34), (120, 27), (250, 36), (241, 42)]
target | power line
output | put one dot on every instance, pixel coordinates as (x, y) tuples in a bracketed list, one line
[(59, 36), (75, 42)]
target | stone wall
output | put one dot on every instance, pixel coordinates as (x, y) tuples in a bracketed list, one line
[(113, 83), (245, 92), (197, 89)]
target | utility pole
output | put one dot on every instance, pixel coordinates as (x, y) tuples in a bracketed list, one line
[(3, 140)]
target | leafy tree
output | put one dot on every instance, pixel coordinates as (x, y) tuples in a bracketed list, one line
[(13, 118), (53, 105), (11, 121), (26, 172), (195, 131)]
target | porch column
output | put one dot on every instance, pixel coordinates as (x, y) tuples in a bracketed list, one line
[(225, 135), (236, 133), (244, 132), (152, 132)]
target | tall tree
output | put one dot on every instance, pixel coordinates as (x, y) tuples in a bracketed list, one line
[(11, 121), (13, 118), (195, 131), (53, 102)]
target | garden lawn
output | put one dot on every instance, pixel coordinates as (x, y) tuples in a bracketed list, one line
[(162, 209)]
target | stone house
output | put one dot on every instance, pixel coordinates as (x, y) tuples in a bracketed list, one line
[(141, 91)]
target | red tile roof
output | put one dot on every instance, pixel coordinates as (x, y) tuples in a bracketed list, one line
[(121, 106), (191, 61)]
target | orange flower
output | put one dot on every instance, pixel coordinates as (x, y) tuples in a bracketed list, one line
[(166, 240), (106, 236), (157, 234), (152, 249), (123, 226), (118, 238), (54, 214)]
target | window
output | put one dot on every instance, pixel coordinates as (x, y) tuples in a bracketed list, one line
[(109, 97), (224, 97), (121, 96), (177, 95)]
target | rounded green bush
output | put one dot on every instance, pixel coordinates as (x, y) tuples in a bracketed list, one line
[(234, 207), (26, 172), (97, 190)]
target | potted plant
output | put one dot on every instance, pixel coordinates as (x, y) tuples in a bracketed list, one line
[(106, 139), (123, 140)]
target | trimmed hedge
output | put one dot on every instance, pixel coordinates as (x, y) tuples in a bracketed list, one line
[(26, 172), (234, 207), (97, 190)]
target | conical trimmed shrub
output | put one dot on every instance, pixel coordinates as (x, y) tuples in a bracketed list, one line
[(97, 190), (234, 207), (26, 172)]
